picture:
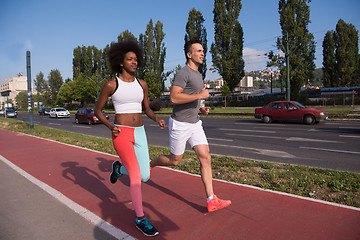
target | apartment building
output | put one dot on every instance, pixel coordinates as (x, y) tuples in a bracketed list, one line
[(12, 87)]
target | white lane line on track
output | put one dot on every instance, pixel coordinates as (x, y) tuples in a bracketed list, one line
[(331, 150)]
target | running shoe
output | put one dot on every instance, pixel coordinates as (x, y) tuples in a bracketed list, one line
[(115, 174), (145, 227), (217, 203)]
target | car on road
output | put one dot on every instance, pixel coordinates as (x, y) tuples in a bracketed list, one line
[(10, 112), (2, 112), (59, 112), (44, 111), (87, 115), (289, 111)]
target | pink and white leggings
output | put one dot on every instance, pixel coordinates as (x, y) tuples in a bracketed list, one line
[(132, 148)]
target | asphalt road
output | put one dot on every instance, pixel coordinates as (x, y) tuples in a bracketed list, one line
[(330, 144)]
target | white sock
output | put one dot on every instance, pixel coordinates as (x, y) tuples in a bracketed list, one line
[(209, 198)]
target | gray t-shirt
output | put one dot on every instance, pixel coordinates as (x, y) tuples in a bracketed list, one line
[(192, 83)]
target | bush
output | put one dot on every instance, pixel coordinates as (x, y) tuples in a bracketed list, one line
[(155, 104)]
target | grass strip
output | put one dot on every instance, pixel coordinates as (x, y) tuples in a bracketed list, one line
[(328, 185)]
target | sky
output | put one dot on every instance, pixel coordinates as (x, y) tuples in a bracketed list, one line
[(51, 30)]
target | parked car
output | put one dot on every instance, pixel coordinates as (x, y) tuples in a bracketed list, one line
[(87, 115), (2, 113), (59, 112), (10, 112), (289, 111), (44, 111)]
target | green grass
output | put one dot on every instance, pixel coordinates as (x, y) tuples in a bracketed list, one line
[(329, 185)]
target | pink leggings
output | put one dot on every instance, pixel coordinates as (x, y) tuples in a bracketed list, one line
[(131, 146)]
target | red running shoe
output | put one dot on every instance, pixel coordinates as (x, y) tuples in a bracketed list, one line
[(217, 203)]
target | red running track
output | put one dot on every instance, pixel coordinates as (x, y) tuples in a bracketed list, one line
[(175, 201)]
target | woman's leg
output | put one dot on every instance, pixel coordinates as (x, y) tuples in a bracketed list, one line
[(124, 146)]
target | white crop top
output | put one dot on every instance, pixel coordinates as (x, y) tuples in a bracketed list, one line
[(127, 97)]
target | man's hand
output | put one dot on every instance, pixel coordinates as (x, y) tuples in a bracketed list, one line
[(204, 93), (204, 110)]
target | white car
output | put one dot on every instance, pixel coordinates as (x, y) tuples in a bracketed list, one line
[(59, 112)]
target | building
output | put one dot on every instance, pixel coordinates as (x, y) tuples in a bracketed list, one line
[(246, 81), (12, 87)]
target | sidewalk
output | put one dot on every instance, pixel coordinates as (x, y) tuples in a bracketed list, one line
[(174, 201)]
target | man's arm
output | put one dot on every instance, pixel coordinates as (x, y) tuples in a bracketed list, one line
[(178, 97)]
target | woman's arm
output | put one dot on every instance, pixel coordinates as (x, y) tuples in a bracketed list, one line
[(106, 92)]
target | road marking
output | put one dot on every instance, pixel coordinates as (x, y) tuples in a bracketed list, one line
[(220, 139), (271, 153), (155, 125), (310, 140), (245, 130), (349, 136), (331, 150), (81, 126), (57, 124), (256, 136)]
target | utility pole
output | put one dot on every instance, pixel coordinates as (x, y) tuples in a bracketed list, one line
[(287, 68), (30, 109)]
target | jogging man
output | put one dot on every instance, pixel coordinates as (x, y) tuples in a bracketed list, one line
[(185, 126)]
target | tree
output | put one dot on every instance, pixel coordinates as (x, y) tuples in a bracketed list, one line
[(177, 68), (278, 61), (225, 91), (66, 93), (22, 100), (126, 35), (196, 30), (329, 60), (227, 49), (87, 60), (55, 81), (347, 53), (41, 86), (340, 56), (154, 58), (294, 19)]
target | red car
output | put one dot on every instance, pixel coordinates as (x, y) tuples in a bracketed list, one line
[(289, 111), (87, 115)]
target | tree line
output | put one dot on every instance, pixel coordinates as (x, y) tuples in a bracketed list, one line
[(340, 51)]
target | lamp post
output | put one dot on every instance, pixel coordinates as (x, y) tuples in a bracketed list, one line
[(287, 69), (28, 68)]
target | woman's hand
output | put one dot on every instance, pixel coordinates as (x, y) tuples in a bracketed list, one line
[(161, 123), (115, 131)]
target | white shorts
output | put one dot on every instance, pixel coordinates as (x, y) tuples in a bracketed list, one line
[(181, 132)]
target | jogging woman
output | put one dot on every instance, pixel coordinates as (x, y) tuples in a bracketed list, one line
[(130, 98)]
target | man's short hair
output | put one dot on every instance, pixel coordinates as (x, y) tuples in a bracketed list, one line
[(188, 44)]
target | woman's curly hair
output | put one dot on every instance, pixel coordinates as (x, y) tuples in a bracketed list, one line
[(117, 51)]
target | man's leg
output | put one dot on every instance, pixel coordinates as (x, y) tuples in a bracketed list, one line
[(213, 202), (203, 154), (166, 160)]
